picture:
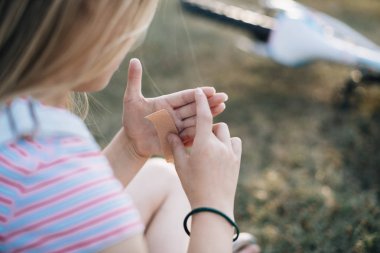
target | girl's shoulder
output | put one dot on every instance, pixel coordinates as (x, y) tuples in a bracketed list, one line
[(53, 177), (30, 119), (40, 140)]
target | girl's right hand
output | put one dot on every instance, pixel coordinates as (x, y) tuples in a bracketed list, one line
[(209, 173)]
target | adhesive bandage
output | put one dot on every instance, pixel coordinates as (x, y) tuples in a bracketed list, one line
[(164, 124)]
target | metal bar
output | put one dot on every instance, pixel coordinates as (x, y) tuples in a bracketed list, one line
[(257, 24)]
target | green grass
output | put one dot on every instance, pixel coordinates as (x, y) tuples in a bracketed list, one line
[(310, 175)]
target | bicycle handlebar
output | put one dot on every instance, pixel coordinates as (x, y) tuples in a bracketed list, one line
[(257, 24), (296, 35)]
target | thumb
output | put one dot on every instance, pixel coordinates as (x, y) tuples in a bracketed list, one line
[(133, 89), (177, 148)]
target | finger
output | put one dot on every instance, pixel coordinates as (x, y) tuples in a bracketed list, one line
[(218, 109), (185, 97), (133, 89), (222, 132), (236, 145), (204, 117), (218, 98), (186, 111), (189, 110), (177, 147), (191, 121)]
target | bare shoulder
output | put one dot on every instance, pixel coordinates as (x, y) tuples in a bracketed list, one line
[(133, 244)]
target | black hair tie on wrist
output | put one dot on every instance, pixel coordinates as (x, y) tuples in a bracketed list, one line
[(211, 210)]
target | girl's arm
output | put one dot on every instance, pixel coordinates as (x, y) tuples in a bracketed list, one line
[(209, 175), (210, 233), (123, 158)]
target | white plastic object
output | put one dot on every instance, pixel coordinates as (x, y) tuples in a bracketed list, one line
[(302, 35)]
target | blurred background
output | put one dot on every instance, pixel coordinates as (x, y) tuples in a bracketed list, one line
[(310, 173)]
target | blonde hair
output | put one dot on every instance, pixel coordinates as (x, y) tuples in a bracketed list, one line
[(50, 45)]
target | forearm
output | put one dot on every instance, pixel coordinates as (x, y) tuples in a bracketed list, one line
[(210, 233), (123, 159)]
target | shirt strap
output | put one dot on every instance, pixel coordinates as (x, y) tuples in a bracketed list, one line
[(29, 118)]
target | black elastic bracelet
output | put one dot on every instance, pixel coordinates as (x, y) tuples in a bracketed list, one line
[(212, 210)]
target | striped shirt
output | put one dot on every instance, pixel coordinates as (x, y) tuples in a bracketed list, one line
[(57, 190)]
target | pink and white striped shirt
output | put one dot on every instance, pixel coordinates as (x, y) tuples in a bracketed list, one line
[(57, 191)]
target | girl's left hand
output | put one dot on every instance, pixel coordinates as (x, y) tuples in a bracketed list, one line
[(181, 105)]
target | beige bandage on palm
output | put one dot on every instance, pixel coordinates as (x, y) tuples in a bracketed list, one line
[(164, 124)]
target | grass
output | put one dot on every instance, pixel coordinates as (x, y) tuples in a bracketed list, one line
[(310, 178)]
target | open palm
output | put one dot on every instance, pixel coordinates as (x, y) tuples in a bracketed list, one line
[(181, 105)]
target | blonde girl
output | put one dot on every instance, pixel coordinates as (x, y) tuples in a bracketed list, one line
[(58, 191)]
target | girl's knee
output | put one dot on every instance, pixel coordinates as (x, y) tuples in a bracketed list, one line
[(161, 171), (160, 167)]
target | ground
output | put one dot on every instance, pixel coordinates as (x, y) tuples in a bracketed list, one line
[(310, 175)]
